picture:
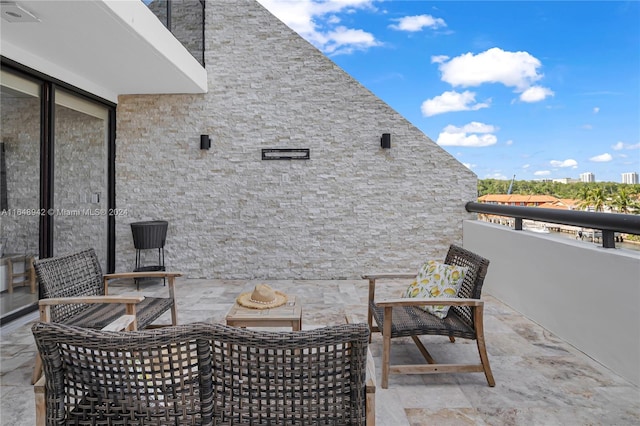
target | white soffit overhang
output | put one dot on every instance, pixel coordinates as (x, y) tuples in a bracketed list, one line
[(106, 47)]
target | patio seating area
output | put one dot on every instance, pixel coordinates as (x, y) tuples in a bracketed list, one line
[(540, 379)]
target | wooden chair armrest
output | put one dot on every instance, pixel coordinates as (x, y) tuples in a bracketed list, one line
[(125, 322), (380, 276), (431, 301), (90, 299), (170, 276), (389, 275), (143, 274)]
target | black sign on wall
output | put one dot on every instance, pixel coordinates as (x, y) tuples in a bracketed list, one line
[(285, 154)]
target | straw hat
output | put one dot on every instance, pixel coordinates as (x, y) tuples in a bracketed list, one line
[(262, 297)]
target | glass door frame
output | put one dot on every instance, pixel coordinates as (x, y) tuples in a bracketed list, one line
[(47, 168)]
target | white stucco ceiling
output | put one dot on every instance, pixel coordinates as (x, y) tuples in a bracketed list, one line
[(106, 47)]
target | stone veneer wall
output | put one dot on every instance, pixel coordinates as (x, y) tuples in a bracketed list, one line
[(353, 207)]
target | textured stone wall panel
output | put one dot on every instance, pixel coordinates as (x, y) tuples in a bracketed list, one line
[(353, 207)]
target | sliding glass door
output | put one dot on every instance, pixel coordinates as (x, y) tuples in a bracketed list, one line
[(20, 132), (80, 178), (56, 181)]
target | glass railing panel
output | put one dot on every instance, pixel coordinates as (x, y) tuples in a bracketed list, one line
[(185, 20)]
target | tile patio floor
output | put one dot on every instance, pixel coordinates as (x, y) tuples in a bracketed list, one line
[(540, 380)]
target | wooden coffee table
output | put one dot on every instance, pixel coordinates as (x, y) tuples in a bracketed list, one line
[(287, 315)]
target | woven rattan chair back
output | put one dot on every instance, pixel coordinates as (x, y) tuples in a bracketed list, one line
[(151, 377), (73, 275), (301, 378), (473, 281), (204, 374)]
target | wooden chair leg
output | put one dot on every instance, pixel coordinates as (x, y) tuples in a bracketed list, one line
[(482, 350), (386, 347), (485, 361), (37, 369), (372, 292), (370, 418), (370, 386), (174, 309), (370, 322), (423, 350), (41, 406)]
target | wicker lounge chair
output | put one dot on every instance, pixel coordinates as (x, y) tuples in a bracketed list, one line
[(402, 318), (74, 291), (203, 374)]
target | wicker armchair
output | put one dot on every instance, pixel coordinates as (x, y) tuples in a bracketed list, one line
[(402, 318), (148, 377), (203, 374), (74, 291)]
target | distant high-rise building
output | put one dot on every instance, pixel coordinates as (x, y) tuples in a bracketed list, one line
[(565, 180), (631, 177), (587, 177)]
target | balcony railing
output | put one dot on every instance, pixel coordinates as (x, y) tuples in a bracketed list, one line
[(608, 223), (185, 20), (583, 294)]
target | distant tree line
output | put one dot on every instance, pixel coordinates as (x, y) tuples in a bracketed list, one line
[(621, 197)]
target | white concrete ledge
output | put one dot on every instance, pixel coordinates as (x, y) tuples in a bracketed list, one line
[(587, 295)]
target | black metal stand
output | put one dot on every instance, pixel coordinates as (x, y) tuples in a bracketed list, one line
[(149, 235)]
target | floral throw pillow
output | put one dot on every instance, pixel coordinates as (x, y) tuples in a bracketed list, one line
[(437, 279)]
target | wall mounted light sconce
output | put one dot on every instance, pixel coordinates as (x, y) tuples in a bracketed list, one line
[(205, 142), (385, 141)]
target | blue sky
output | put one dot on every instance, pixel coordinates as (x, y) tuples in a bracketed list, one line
[(540, 90)]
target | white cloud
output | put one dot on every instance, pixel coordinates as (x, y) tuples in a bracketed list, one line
[(345, 40), (496, 175), (438, 59), (526, 166), (509, 142), (315, 21), (512, 69), (621, 145), (536, 94), (602, 158), (462, 139), (542, 173), (469, 165), (474, 135), (417, 23), (474, 127), (452, 101), (566, 163), (596, 110)]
